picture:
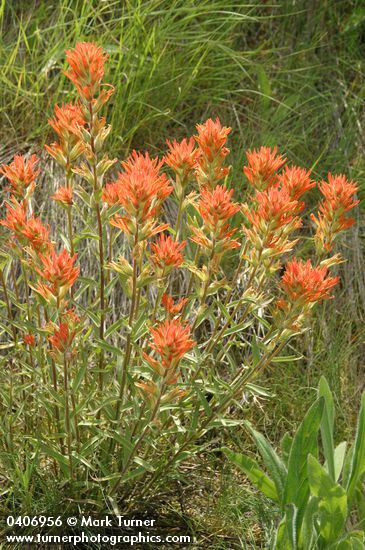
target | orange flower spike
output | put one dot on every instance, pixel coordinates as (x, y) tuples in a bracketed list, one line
[(29, 232), (211, 138), (58, 271), (305, 284), (62, 341), (110, 194), (29, 340), (21, 174), (140, 189), (166, 253), (216, 207), (172, 308), (262, 167), (181, 158), (16, 217), (67, 121), (338, 195), (296, 181), (171, 340), (86, 70), (36, 235), (276, 207), (63, 195)]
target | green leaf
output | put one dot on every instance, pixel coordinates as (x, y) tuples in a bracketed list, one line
[(254, 473), (357, 466), (271, 459), (327, 423), (308, 532), (332, 506), (291, 525), (304, 442), (339, 457), (352, 541), (285, 445)]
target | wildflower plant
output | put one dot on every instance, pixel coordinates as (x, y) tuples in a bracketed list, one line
[(112, 375)]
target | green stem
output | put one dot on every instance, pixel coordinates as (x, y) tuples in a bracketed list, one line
[(67, 415)]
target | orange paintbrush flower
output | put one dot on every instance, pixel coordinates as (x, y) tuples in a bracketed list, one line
[(67, 120), (58, 271), (216, 209), (29, 232), (21, 174), (110, 193), (62, 341), (262, 167), (331, 219), (86, 70), (172, 308), (36, 235), (29, 339), (181, 158), (141, 189), (216, 206), (166, 253), (211, 138), (15, 218), (275, 207), (304, 283), (63, 195), (296, 181), (171, 340)]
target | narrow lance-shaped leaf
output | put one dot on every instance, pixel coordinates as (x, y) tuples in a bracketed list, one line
[(254, 473), (332, 505), (357, 467), (271, 459), (304, 442), (327, 424)]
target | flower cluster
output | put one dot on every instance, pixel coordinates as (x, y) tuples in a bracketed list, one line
[(216, 209), (262, 167), (67, 123), (276, 210), (332, 217), (166, 254), (140, 189), (58, 274), (212, 151), (182, 158), (21, 174)]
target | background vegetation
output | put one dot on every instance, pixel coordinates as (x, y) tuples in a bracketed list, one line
[(286, 73)]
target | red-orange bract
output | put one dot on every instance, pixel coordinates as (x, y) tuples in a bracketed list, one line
[(338, 195), (21, 173), (28, 231), (171, 339), (62, 338), (172, 308), (86, 71), (67, 120), (63, 195), (275, 206), (182, 157), (262, 167), (296, 181), (29, 339), (140, 189), (211, 138), (166, 252), (304, 283), (58, 271)]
